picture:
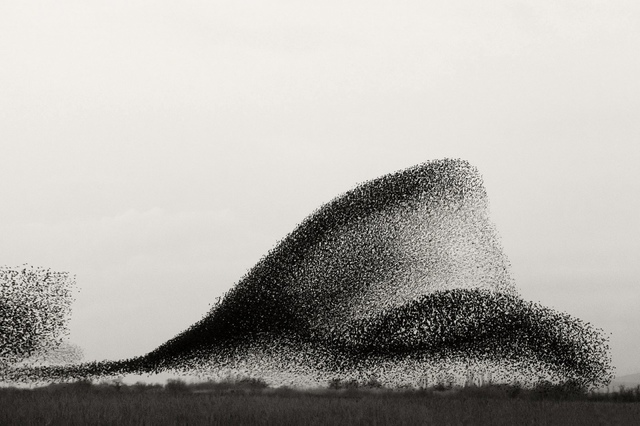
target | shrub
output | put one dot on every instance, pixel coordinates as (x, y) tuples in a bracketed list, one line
[(251, 383), (176, 386), (335, 383), (373, 383)]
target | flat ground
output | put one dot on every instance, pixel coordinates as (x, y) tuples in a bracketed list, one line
[(148, 405)]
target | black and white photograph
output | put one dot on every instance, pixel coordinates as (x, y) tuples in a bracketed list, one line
[(319, 213)]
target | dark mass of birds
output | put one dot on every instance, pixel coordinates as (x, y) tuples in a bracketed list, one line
[(35, 305), (402, 278)]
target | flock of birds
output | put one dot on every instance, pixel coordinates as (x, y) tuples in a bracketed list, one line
[(402, 279), (35, 304)]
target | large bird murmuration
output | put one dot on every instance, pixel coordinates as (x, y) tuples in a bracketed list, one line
[(402, 278)]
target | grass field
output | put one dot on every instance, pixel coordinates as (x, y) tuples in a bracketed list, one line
[(250, 403)]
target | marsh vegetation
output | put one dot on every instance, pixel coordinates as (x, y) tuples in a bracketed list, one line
[(252, 402)]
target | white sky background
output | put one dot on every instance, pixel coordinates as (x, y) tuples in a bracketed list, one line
[(157, 150)]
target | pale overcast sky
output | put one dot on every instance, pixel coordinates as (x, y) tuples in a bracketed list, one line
[(158, 149)]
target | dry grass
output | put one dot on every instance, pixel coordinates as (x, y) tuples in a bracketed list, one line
[(249, 403)]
